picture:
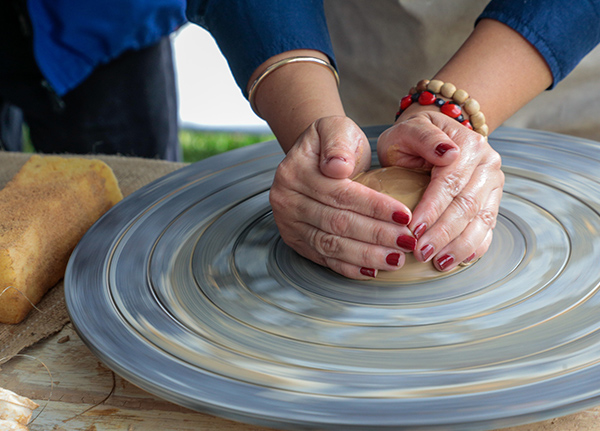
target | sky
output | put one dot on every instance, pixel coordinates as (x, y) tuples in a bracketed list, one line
[(208, 95)]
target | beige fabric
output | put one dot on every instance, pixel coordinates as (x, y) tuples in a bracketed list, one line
[(132, 174), (384, 47)]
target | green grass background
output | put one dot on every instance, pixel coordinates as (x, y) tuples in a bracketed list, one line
[(198, 145)]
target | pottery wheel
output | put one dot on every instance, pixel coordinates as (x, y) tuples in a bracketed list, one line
[(187, 290)]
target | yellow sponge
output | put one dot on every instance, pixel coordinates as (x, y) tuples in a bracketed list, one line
[(44, 211)]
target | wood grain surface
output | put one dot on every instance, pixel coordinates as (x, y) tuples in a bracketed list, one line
[(88, 396)]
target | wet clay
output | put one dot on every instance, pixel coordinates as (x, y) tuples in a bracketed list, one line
[(408, 187)]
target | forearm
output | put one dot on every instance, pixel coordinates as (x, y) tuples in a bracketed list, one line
[(499, 69), (293, 96)]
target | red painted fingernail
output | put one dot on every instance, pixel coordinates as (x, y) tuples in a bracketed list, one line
[(393, 259), (407, 242), (445, 261), (427, 251), (369, 272), (419, 230), (469, 259), (401, 217), (441, 149)]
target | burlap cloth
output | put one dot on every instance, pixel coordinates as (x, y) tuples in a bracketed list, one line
[(51, 315)]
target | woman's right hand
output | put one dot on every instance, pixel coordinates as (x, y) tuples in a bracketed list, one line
[(330, 219)]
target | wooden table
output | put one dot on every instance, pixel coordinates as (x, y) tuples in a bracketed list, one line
[(86, 395)]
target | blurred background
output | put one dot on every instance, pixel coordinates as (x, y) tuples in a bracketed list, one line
[(214, 116)]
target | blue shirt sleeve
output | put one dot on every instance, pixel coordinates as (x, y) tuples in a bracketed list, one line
[(250, 32), (562, 31), (72, 38)]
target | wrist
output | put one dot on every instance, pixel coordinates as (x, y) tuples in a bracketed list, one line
[(455, 103), (293, 94)]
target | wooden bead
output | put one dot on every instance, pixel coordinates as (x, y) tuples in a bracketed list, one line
[(412, 91), (422, 85), (477, 120), (471, 106), (448, 90), (483, 130), (460, 96), (435, 85)]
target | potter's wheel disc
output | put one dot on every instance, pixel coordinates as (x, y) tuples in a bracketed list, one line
[(186, 289)]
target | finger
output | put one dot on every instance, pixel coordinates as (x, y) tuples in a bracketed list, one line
[(298, 173), (481, 250), (448, 224), (351, 271), (350, 224), (339, 194), (470, 241), (453, 197), (418, 143), (322, 247), (344, 148)]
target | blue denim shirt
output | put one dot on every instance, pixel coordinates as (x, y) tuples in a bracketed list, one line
[(563, 32), (72, 37)]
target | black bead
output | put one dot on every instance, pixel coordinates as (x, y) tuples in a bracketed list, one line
[(415, 97), (439, 102), (460, 118)]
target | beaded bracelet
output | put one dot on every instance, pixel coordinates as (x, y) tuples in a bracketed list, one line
[(281, 63), (425, 94)]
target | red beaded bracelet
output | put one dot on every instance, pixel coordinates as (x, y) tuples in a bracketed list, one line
[(426, 93)]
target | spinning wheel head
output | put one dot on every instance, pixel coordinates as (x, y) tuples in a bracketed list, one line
[(191, 275)]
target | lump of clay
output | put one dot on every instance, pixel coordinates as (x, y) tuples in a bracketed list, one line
[(405, 185), (408, 187)]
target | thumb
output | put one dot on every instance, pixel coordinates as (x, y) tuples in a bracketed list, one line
[(426, 138), (345, 150)]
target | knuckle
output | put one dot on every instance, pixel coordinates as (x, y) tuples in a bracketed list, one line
[(501, 177), (280, 201), (284, 176), (452, 184), (379, 235), (378, 209), (342, 196), (488, 218), (276, 199), (338, 223), (327, 244), (444, 234), (467, 203), (365, 256), (495, 160)]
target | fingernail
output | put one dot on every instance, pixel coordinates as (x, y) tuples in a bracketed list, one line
[(419, 230), (441, 149), (427, 251), (469, 259), (401, 217), (393, 259), (407, 242), (445, 261), (369, 272)]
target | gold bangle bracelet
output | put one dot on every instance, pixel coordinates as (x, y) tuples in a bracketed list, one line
[(281, 63)]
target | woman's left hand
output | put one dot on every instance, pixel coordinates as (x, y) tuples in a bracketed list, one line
[(454, 220)]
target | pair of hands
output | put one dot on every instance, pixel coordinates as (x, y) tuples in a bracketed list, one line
[(330, 219)]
